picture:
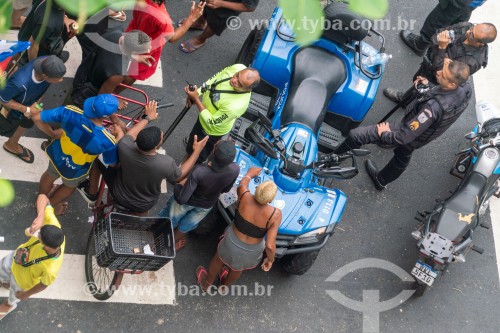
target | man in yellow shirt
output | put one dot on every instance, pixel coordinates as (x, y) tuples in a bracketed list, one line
[(36, 263)]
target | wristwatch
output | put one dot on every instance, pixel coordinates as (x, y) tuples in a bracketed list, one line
[(27, 114), (147, 118)]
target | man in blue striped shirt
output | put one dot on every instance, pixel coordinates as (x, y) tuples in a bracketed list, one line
[(83, 139)]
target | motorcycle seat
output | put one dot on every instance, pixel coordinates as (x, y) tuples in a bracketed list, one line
[(466, 198), (316, 77), (459, 211)]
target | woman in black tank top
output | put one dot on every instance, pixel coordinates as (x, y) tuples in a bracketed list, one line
[(243, 243)]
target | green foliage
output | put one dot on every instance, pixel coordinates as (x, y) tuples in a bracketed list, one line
[(296, 12), (305, 17), (372, 9), (89, 7), (81, 7), (7, 193), (5, 14)]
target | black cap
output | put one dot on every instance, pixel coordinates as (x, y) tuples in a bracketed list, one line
[(223, 155), (51, 66)]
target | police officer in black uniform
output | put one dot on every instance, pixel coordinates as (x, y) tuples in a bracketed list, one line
[(426, 118), (469, 45), (446, 13)]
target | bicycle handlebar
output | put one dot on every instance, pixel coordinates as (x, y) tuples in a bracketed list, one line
[(167, 105)]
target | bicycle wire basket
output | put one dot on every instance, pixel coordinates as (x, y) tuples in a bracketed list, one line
[(120, 242)]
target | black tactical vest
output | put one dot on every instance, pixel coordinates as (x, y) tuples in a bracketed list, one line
[(451, 104), (475, 57)]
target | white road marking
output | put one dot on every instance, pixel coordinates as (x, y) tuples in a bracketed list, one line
[(486, 89), (14, 169), (75, 58), (146, 288)]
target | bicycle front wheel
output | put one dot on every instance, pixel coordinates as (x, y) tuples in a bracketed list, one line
[(101, 281)]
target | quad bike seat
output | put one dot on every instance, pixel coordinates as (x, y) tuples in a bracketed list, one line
[(337, 12), (316, 77), (459, 211)]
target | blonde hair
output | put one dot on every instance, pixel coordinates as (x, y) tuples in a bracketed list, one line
[(265, 192)]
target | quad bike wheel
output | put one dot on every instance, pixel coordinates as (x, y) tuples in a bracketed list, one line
[(300, 263)]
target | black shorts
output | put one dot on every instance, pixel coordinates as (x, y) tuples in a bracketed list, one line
[(10, 124), (200, 133), (214, 21)]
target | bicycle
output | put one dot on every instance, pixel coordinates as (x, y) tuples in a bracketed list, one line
[(115, 231)]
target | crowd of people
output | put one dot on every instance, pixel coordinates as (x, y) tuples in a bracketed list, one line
[(81, 149)]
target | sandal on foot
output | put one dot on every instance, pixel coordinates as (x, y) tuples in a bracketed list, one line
[(223, 275), (119, 16), (45, 144), (26, 153), (180, 244), (187, 47), (3, 314), (201, 271)]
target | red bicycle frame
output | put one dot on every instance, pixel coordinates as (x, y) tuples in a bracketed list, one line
[(134, 119)]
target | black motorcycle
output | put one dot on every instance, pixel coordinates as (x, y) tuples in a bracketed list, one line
[(446, 235)]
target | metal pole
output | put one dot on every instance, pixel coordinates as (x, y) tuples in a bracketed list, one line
[(175, 123), (408, 96)]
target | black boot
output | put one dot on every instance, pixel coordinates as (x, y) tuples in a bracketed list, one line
[(414, 42), (372, 170), (393, 94)]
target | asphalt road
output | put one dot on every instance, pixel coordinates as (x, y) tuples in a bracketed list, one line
[(374, 225)]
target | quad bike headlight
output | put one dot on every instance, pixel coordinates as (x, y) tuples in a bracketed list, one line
[(311, 236)]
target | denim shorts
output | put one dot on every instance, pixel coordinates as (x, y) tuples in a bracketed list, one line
[(183, 217)]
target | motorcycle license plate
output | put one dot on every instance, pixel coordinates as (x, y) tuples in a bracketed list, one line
[(424, 273)]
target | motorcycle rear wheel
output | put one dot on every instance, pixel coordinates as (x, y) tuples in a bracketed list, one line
[(420, 289)]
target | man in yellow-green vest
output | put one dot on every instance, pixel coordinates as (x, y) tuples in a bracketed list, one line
[(220, 101)]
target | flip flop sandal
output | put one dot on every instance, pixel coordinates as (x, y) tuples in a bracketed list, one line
[(45, 144), (119, 16), (223, 275), (186, 47), (4, 314), (26, 153), (200, 270), (181, 22), (182, 244)]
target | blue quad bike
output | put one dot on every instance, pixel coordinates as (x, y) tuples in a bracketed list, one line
[(309, 99)]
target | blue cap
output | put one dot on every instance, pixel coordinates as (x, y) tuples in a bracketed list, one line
[(100, 106)]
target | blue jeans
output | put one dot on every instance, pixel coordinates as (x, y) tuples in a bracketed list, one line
[(183, 217)]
